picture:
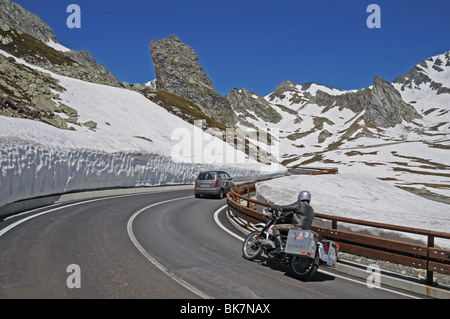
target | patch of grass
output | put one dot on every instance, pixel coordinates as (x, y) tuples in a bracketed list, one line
[(286, 109), (354, 153), (188, 110), (440, 146), (297, 136), (316, 158), (399, 169), (335, 145), (426, 194), (427, 163), (373, 164), (144, 138), (26, 46), (289, 161), (318, 122), (430, 110)]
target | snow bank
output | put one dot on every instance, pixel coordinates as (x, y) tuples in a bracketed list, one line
[(361, 197), (29, 171), (37, 159)]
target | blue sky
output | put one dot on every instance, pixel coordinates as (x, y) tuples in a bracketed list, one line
[(256, 44)]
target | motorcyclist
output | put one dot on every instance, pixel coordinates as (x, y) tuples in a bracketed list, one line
[(302, 217)]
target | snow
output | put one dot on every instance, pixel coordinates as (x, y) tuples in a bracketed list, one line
[(413, 155), (371, 169), (318, 87), (151, 84), (362, 197), (57, 46), (132, 146)]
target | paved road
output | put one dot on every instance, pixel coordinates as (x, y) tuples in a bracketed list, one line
[(159, 245)]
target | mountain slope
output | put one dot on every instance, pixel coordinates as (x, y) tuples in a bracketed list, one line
[(398, 132), (25, 35), (67, 125), (179, 72), (118, 138)]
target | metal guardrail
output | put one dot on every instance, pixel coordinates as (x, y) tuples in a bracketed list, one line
[(427, 257)]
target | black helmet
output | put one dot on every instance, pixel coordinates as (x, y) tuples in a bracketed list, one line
[(304, 196)]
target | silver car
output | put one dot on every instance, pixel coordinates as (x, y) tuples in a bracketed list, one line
[(215, 183)]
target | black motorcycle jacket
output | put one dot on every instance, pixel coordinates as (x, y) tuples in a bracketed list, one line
[(303, 213)]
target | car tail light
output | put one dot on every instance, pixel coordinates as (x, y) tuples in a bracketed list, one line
[(217, 184), (195, 183)]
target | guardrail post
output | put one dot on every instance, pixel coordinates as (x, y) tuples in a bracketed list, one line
[(239, 192), (333, 223), (248, 194), (429, 280)]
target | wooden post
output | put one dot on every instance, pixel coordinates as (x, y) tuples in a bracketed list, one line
[(333, 223), (248, 195), (429, 280)]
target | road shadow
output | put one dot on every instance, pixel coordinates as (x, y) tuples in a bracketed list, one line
[(211, 197), (278, 266)]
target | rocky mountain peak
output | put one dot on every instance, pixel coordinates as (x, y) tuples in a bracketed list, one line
[(433, 72), (248, 104), (386, 107), (383, 104), (179, 72), (17, 17), (171, 54), (24, 35)]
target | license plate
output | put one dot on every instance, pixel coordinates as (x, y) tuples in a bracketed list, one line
[(204, 184)]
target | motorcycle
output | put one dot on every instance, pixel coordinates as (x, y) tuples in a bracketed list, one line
[(302, 250)]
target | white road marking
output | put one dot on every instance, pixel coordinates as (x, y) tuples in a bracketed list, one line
[(320, 270), (130, 233), (152, 259), (23, 220), (149, 257), (8, 228), (216, 219)]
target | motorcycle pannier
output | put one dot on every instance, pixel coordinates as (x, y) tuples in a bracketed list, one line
[(328, 252), (301, 242)]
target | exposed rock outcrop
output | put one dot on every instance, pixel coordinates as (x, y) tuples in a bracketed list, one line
[(179, 72), (25, 35), (32, 95), (386, 107), (383, 104), (14, 15), (35, 52), (419, 74), (248, 105), (85, 58)]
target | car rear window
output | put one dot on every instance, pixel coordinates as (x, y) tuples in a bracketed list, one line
[(207, 176)]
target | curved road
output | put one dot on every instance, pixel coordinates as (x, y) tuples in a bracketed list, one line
[(158, 245)]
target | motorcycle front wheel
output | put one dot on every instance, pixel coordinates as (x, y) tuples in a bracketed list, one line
[(250, 249), (303, 267)]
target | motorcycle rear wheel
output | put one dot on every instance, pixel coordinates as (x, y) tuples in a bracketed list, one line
[(251, 250), (303, 267)]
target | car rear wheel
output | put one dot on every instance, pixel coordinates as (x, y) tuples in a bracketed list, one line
[(221, 193)]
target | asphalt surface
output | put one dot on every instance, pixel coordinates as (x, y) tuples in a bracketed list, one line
[(160, 246)]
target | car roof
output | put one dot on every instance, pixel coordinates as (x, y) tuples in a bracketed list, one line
[(213, 172)]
